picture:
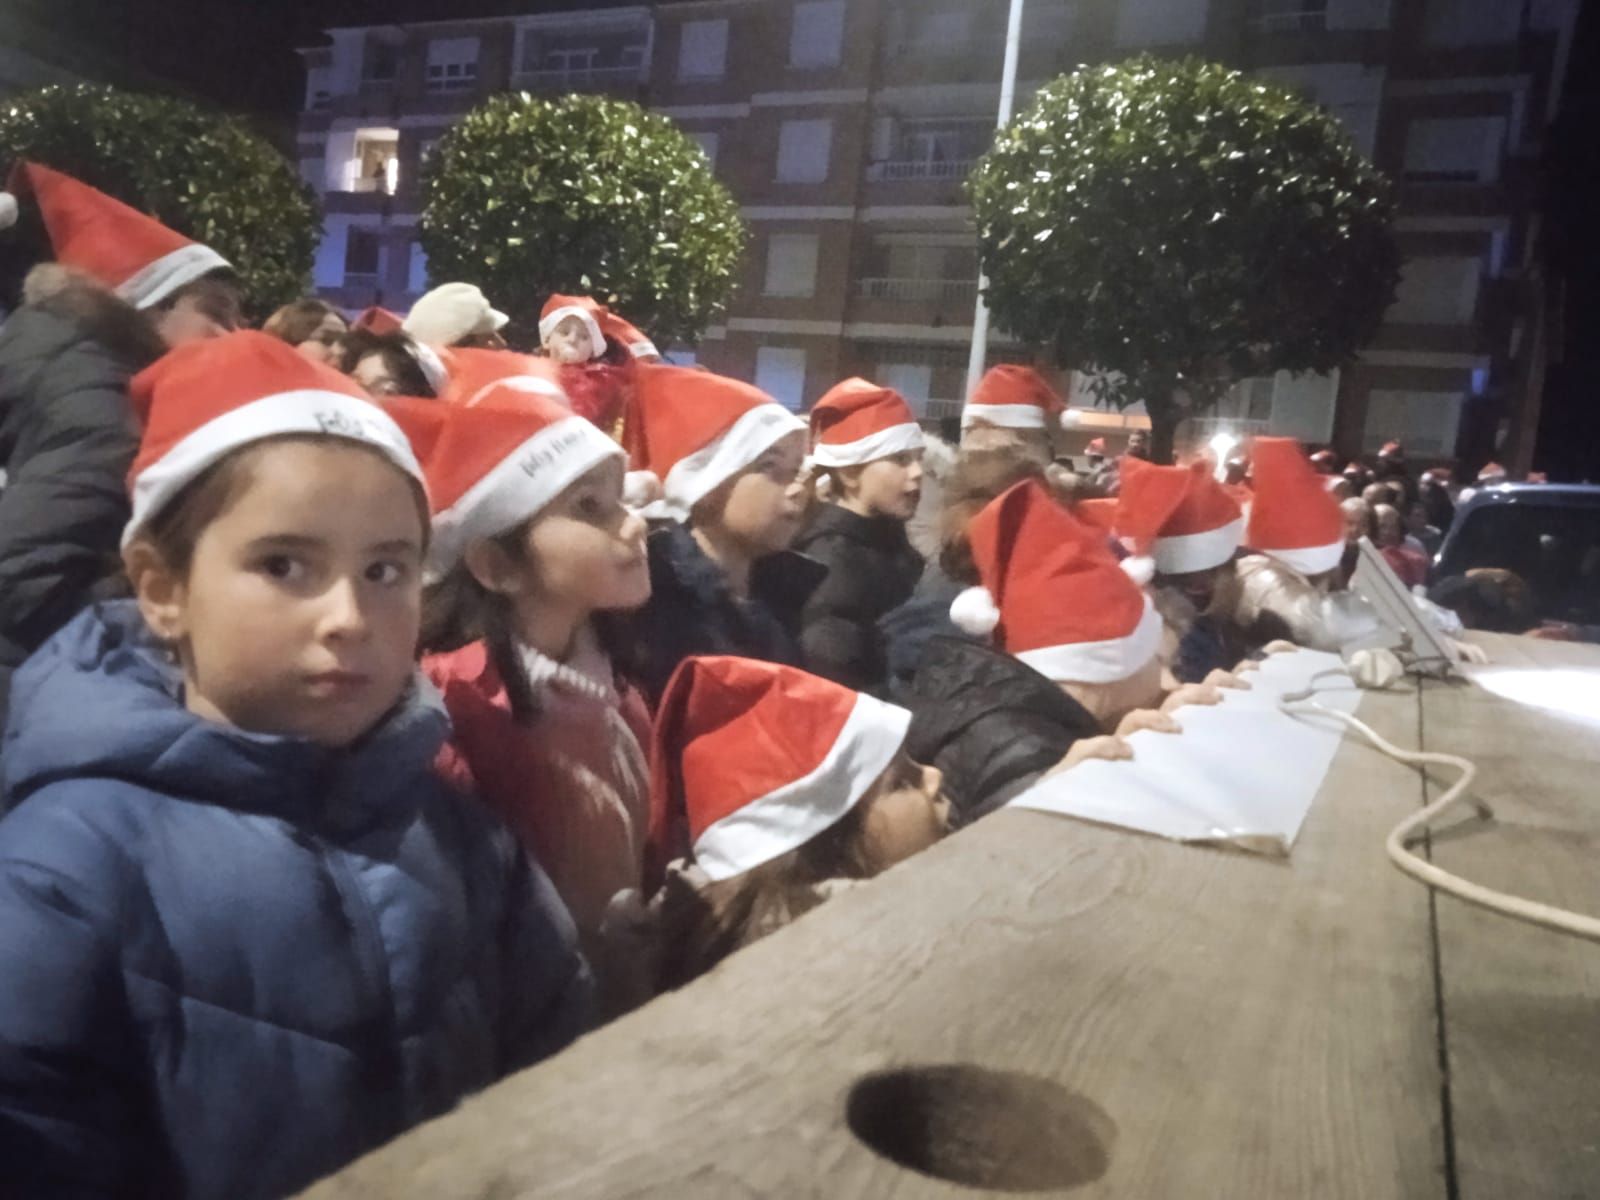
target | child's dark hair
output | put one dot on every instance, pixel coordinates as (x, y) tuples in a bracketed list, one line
[(296, 321), (399, 359), (459, 610)]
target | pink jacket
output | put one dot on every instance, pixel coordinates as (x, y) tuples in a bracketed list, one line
[(574, 785)]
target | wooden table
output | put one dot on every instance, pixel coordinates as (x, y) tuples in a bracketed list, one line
[(1184, 1022)]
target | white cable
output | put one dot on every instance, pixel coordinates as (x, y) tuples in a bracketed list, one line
[(1545, 916)]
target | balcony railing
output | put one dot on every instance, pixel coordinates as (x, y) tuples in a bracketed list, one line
[(918, 289), (922, 169), (1301, 20), (578, 79), (371, 183)]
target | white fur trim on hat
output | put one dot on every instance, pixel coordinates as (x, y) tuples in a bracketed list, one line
[(1007, 416), (897, 439), (1309, 560), (974, 612), (1100, 662), (1070, 418), (8, 210), (308, 411), (538, 385), (1197, 551), (696, 476), (150, 285), (1140, 568), (790, 816), (431, 365), (517, 488), (597, 339), (644, 348)]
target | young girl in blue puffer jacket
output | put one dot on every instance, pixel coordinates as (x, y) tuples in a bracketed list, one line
[(245, 933)]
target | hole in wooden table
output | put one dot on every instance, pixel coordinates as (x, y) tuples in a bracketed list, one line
[(1000, 1130)]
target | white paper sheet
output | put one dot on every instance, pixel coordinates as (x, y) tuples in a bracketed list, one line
[(1243, 771)]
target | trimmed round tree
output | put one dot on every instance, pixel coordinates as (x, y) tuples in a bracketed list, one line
[(583, 194), (198, 170), (1175, 226)]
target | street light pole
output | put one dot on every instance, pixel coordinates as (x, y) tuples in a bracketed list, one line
[(1008, 96)]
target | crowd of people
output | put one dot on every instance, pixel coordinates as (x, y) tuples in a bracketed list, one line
[(388, 706)]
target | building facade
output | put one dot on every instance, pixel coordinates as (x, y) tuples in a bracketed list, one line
[(846, 128)]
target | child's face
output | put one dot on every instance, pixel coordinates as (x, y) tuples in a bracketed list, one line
[(373, 374), (761, 507), (905, 812), (1108, 703), (1198, 587), (323, 344), (583, 553), (299, 612), (886, 487), (569, 341)]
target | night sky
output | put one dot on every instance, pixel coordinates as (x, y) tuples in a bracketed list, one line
[(240, 53)]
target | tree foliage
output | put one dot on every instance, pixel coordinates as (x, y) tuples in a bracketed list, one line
[(583, 194), (197, 170), (1176, 226)]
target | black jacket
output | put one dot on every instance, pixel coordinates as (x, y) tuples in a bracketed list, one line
[(692, 611), (67, 438), (992, 724), (872, 569)]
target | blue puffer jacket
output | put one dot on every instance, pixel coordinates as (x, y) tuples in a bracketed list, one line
[(230, 963)]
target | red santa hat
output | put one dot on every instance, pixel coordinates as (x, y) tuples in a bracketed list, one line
[(477, 374), (760, 758), (201, 402), (558, 308), (693, 430), (1293, 516), (1016, 397), (1492, 473), (1392, 449), (1096, 448), (135, 255), (378, 320), (859, 422), (1326, 461), (619, 330), (496, 463), (1053, 592), (1180, 516)]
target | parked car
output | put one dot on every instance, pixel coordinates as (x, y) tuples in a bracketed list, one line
[(1548, 534)]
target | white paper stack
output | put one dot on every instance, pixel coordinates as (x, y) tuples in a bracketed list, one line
[(1243, 772)]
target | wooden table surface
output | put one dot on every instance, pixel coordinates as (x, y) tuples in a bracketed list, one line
[(1181, 1021)]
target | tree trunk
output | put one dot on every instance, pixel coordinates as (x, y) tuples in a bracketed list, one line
[(1165, 417)]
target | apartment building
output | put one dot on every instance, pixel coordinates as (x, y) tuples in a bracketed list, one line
[(846, 129)]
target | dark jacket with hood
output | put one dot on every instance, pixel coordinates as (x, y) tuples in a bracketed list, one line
[(230, 962), (872, 569), (693, 611), (992, 724), (67, 438)]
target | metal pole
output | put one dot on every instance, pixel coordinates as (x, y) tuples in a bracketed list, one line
[(1008, 95)]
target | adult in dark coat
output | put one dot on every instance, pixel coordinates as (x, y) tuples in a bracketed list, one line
[(231, 962), (872, 569), (693, 610), (992, 724), (67, 438)]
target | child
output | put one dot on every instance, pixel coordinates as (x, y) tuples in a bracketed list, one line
[(312, 326), (1059, 602), (531, 547), (595, 374), (392, 364), (726, 459), (245, 934), (122, 289), (867, 446), (1190, 526), (1013, 407), (780, 784)]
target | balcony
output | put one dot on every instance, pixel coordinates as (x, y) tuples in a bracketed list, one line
[(918, 291), (920, 169), (579, 79), (1290, 18)]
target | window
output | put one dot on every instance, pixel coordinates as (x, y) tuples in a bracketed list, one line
[(417, 270), (1302, 405), (1437, 291), (803, 150), (781, 373), (1290, 16), (314, 171), (791, 264), (1425, 421), (361, 255), (708, 143), (319, 88), (1454, 149), (381, 63), (818, 33), (681, 358), (703, 50), (1471, 22), (1160, 22), (569, 60), (914, 381), (453, 65), (375, 164)]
